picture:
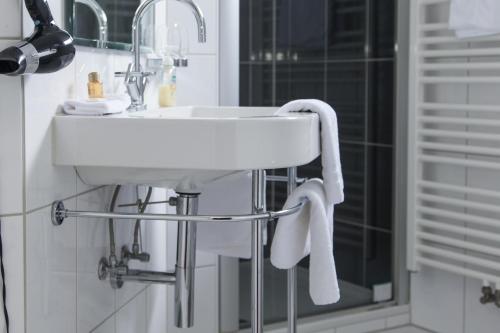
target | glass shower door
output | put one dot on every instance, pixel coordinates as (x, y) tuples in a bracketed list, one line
[(340, 51)]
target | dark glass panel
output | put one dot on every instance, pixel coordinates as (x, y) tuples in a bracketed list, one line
[(245, 30), (378, 258), (379, 176), (348, 250), (380, 102), (382, 23), (245, 84), (261, 27), (308, 81), (346, 29), (352, 210), (346, 93), (261, 85)]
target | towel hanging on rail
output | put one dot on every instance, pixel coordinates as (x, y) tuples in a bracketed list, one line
[(474, 18), (311, 231)]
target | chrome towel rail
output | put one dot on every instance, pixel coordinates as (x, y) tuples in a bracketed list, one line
[(59, 213)]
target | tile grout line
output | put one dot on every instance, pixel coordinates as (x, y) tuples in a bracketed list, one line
[(11, 215), (328, 61), (65, 199), (118, 310)]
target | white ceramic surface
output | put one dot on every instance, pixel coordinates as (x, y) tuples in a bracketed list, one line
[(183, 147)]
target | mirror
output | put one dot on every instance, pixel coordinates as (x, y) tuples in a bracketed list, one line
[(101, 23)]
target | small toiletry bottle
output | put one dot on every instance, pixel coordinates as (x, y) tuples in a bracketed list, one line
[(95, 86), (168, 87)]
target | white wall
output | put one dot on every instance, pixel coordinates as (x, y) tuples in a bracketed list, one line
[(51, 271)]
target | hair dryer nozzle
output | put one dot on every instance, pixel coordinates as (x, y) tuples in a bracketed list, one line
[(11, 61)]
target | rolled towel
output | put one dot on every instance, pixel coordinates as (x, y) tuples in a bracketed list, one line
[(98, 107), (474, 18), (309, 232), (330, 153)]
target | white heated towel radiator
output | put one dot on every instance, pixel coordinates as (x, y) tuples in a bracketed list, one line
[(454, 148)]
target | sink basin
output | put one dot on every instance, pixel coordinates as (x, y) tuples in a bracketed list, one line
[(183, 147)]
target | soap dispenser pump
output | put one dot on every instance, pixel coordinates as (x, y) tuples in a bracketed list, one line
[(49, 49)]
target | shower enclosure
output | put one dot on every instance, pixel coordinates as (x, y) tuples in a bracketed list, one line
[(343, 52)]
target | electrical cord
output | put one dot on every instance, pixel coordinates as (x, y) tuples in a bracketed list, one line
[(4, 291)]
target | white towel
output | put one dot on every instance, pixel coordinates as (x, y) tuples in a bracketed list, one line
[(473, 18), (229, 195), (98, 107), (309, 232), (330, 154)]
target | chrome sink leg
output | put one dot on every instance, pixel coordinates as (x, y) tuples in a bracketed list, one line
[(292, 272), (187, 204), (258, 200)]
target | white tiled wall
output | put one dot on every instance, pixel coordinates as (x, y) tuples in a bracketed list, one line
[(10, 23), (51, 271), (11, 145)]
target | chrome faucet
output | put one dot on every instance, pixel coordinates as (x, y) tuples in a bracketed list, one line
[(102, 19), (135, 79)]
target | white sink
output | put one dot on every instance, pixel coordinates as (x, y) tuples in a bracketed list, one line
[(183, 147)]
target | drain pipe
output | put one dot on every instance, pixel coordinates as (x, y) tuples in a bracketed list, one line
[(187, 204)]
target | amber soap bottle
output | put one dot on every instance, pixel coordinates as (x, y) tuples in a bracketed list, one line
[(95, 86)]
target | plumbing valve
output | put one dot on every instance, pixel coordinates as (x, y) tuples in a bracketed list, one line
[(488, 296)]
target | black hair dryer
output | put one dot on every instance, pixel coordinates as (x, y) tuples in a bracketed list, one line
[(49, 49)]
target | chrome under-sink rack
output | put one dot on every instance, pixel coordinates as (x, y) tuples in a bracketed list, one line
[(60, 213), (187, 218)]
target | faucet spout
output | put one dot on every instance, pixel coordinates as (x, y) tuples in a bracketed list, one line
[(139, 14), (200, 20)]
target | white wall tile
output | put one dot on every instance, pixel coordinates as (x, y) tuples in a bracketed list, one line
[(132, 317), (11, 131), (44, 181), (437, 296), (157, 308), (50, 273), (95, 298), (206, 315), (10, 19), (107, 327), (181, 14), (197, 84), (13, 256), (89, 60)]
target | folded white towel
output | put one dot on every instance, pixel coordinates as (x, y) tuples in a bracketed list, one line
[(473, 18), (97, 107), (330, 154), (229, 195), (309, 232)]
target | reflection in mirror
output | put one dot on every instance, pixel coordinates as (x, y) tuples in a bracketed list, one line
[(101, 23), (102, 20)]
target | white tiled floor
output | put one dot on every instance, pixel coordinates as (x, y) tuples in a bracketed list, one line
[(406, 329)]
